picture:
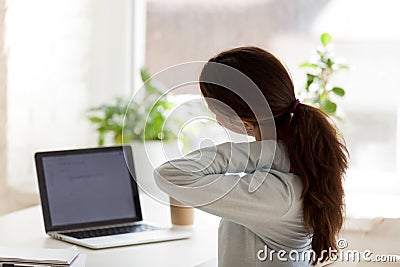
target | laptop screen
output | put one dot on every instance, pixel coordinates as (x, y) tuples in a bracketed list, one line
[(87, 186)]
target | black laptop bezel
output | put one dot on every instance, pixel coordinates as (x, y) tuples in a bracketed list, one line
[(49, 227)]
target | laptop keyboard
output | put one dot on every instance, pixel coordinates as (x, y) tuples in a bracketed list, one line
[(111, 231)]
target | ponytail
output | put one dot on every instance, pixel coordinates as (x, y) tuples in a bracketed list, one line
[(319, 157)]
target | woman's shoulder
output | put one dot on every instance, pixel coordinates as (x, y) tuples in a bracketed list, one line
[(266, 154)]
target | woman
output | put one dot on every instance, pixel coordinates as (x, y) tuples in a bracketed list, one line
[(298, 205)]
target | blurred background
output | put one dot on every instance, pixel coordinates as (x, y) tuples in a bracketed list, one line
[(61, 57)]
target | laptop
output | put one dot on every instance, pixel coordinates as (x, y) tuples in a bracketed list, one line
[(90, 198)]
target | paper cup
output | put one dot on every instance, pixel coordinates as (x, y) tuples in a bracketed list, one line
[(181, 214)]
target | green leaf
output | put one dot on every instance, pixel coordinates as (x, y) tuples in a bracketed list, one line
[(325, 39), (146, 78), (308, 65), (329, 107), (96, 119), (145, 75), (338, 91), (101, 139), (310, 80), (329, 62)]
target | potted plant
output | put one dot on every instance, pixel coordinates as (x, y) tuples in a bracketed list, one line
[(142, 119), (143, 123), (318, 90)]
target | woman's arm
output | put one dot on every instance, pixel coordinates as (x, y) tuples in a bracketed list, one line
[(209, 179)]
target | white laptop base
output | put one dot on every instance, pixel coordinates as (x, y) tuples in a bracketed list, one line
[(159, 235)]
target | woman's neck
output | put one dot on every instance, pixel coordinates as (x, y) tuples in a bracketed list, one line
[(264, 132)]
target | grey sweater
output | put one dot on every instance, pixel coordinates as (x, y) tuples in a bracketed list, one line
[(249, 185)]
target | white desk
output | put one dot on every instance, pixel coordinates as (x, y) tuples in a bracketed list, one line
[(25, 229)]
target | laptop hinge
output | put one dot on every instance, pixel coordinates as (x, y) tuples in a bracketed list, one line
[(95, 228)]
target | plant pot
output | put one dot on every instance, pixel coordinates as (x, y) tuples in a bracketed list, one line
[(181, 215)]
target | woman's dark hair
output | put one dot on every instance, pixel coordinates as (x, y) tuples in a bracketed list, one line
[(317, 153)]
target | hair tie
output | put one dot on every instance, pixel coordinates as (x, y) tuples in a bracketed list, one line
[(294, 106)]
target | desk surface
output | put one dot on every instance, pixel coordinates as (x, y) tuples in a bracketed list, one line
[(25, 229)]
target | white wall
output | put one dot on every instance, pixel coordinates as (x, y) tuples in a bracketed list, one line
[(3, 109), (64, 57)]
